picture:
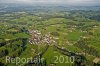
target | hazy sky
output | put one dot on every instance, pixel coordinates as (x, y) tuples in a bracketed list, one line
[(71, 2)]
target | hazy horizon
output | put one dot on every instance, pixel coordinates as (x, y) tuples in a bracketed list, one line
[(67, 2)]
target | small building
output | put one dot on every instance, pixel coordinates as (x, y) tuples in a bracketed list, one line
[(96, 62), (52, 65)]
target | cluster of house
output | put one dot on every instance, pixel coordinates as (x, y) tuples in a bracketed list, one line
[(38, 38)]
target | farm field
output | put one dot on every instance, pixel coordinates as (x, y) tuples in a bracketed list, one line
[(56, 38)]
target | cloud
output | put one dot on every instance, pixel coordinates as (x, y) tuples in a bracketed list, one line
[(71, 2)]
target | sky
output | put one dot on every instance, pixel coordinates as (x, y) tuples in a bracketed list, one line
[(70, 2)]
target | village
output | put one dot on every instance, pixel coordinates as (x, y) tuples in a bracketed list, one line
[(38, 38)]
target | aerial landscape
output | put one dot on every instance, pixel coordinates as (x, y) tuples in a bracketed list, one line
[(49, 33)]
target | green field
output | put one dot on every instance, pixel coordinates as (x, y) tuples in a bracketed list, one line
[(25, 35)]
